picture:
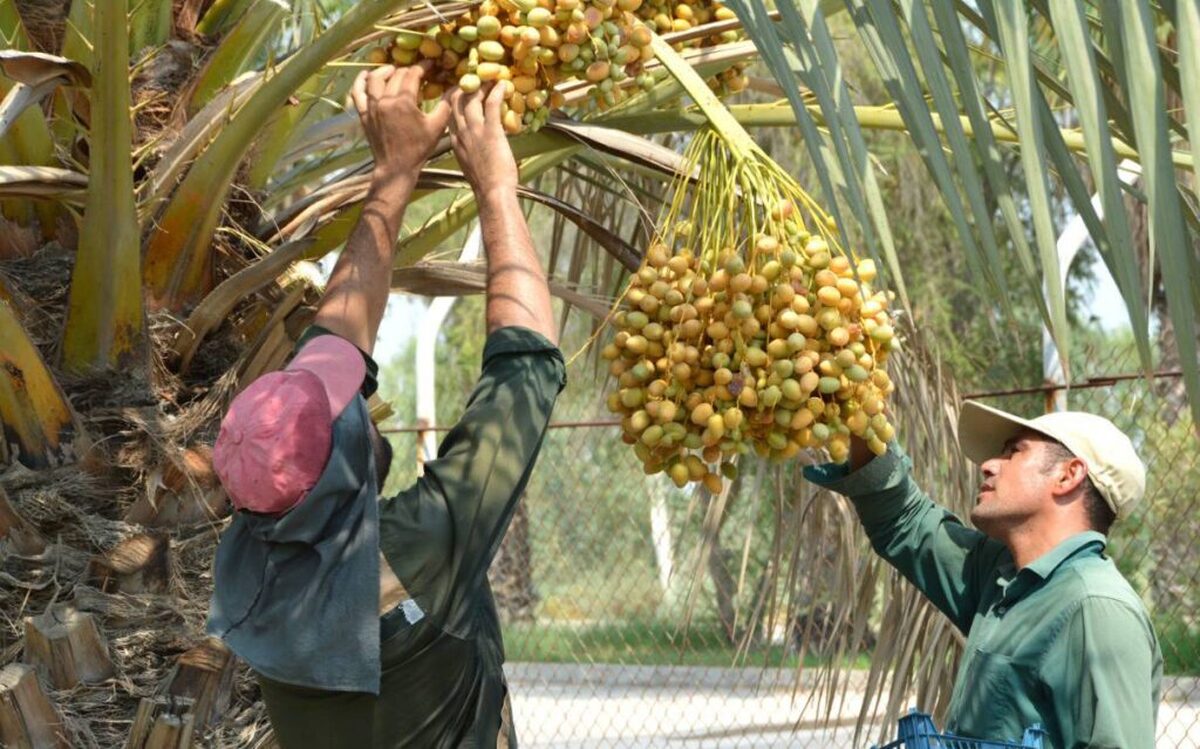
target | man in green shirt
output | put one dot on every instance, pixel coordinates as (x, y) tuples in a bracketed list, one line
[(368, 621), (1055, 635)]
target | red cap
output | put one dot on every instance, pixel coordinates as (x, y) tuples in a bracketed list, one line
[(276, 437)]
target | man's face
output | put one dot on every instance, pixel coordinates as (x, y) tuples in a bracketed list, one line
[(1015, 486)]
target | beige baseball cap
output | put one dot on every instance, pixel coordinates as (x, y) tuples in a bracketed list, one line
[(1113, 464)]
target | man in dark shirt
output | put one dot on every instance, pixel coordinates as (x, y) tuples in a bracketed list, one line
[(369, 621), (1055, 634)]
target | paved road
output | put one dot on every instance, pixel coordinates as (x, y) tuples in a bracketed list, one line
[(632, 707), (618, 707)]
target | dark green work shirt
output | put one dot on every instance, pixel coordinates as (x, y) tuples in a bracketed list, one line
[(1064, 641), (442, 682)]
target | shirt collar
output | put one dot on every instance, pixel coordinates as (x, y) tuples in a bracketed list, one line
[(1016, 583), (1046, 564)]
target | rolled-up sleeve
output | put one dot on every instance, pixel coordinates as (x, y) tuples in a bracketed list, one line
[(467, 495), (946, 560)]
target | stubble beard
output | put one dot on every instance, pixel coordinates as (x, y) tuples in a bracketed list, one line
[(992, 518)]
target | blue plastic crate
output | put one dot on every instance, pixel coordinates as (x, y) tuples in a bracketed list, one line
[(917, 731)]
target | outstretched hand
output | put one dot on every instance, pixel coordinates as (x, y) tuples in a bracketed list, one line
[(480, 144), (860, 454), (401, 134)]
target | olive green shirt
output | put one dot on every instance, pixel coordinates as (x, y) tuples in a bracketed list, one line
[(1064, 642), (443, 680)]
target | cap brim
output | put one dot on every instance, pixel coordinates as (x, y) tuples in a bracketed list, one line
[(983, 430), (338, 364)]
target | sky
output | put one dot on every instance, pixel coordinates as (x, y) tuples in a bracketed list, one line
[(1105, 301), (399, 324)]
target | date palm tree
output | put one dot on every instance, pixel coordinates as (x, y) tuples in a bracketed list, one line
[(168, 168)]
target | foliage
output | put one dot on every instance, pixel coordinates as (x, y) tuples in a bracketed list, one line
[(1118, 80), (181, 226)]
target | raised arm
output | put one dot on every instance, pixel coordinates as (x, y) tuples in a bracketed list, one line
[(485, 461), (401, 137), (517, 292), (944, 559)]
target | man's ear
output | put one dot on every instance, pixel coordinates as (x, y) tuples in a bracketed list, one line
[(1071, 475)]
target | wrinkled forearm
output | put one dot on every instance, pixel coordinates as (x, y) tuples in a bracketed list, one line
[(517, 291), (356, 295)]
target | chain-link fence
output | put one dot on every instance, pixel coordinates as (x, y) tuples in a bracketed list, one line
[(608, 643), (611, 642)]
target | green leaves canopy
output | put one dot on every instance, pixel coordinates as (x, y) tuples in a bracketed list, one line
[(1112, 104)]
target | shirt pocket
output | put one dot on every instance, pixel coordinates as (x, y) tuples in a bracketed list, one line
[(403, 630), (987, 698)]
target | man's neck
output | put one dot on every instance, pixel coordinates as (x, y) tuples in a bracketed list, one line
[(1032, 540)]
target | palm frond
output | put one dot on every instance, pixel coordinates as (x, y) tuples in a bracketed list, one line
[(42, 182), (105, 320), (1110, 107), (443, 278)]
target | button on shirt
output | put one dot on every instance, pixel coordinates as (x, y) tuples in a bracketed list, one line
[(1064, 642)]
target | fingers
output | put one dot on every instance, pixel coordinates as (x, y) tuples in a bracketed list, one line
[(358, 93), (395, 83), (479, 114), (413, 76), (473, 108), (495, 98), (407, 81), (458, 119), (377, 81), (440, 116)]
